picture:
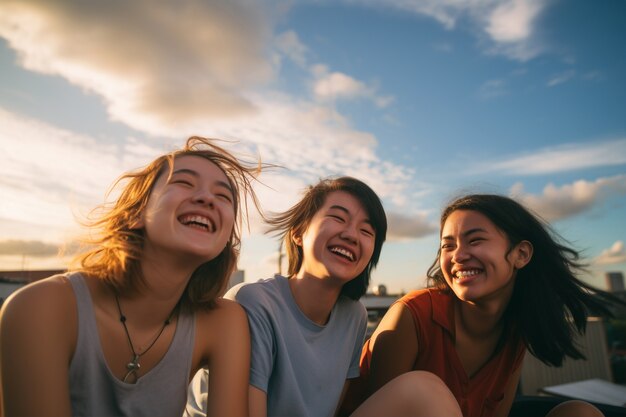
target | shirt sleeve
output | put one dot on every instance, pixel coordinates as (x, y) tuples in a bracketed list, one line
[(262, 346)]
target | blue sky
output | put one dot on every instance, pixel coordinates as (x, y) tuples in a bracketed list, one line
[(422, 99)]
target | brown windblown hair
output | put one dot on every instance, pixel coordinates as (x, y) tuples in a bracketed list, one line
[(116, 249)]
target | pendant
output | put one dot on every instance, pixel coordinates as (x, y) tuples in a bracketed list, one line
[(132, 366)]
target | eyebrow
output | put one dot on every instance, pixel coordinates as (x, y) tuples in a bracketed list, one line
[(195, 174), (345, 210), (466, 233)]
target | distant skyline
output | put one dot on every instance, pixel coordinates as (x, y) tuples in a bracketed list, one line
[(422, 99)]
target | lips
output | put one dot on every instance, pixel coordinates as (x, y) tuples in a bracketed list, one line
[(198, 221), (343, 252)]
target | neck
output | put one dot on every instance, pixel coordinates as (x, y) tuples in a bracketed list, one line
[(315, 297)]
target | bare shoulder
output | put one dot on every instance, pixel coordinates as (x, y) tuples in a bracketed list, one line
[(226, 313), (220, 328), (46, 299), (44, 310)]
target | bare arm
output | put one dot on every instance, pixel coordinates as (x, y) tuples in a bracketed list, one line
[(509, 394), (229, 363), (258, 402), (37, 338), (393, 347)]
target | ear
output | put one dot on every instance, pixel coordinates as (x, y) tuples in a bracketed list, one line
[(523, 254), (296, 238)]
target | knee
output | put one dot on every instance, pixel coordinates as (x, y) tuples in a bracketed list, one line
[(575, 408), (423, 383), (422, 390)]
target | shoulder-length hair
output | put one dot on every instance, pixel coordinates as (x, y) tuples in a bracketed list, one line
[(296, 220), (115, 250), (549, 303)]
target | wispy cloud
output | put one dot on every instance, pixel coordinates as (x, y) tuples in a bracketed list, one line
[(492, 89), (561, 78), (562, 158), (289, 44), (614, 255), (508, 25), (556, 203)]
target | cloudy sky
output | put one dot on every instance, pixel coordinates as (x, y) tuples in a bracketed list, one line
[(422, 99)]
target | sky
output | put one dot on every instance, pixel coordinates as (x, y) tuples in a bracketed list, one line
[(424, 100)]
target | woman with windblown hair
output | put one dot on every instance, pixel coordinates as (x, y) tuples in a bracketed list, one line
[(124, 333)]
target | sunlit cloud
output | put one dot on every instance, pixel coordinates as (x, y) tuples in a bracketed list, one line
[(403, 227), (562, 158), (336, 86), (556, 203), (158, 66), (614, 255)]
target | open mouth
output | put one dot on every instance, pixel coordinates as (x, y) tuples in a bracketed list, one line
[(198, 222), (466, 274), (343, 252)]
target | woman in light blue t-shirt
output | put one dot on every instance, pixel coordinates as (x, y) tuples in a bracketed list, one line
[(307, 328)]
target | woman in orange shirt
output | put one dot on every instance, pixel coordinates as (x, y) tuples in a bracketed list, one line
[(501, 284)]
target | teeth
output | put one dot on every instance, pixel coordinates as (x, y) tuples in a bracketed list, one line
[(343, 252), (468, 273), (197, 220)]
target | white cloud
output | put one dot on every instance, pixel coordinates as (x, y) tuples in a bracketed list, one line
[(50, 175), (512, 21), (507, 24), (336, 86), (557, 203), (562, 158), (614, 255)]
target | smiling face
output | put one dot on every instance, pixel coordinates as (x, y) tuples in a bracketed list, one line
[(475, 259), (339, 240), (190, 213)]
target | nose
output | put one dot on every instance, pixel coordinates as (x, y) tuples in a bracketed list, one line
[(460, 254), (204, 197), (349, 233)]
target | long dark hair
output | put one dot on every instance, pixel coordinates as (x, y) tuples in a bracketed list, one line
[(297, 219), (549, 303)]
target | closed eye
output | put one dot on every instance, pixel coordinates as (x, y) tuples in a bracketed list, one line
[(338, 218), (367, 232), (225, 196), (183, 182)]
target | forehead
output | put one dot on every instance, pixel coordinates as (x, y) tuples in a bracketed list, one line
[(345, 200), (200, 166), (460, 221)]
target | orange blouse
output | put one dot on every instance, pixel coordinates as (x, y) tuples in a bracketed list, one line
[(433, 314)]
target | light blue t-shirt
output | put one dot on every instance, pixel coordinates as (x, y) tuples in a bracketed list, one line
[(301, 365)]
